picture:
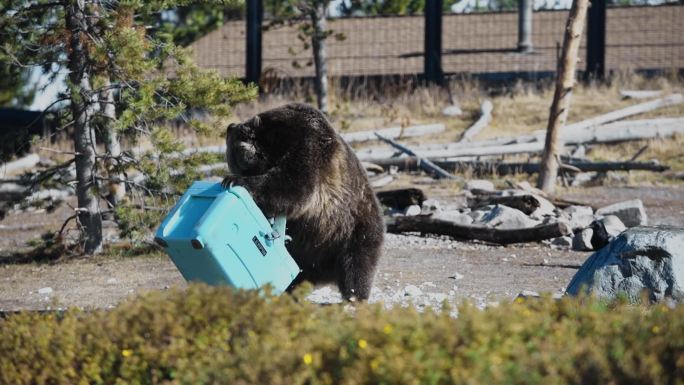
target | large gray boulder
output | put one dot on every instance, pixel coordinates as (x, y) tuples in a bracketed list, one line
[(641, 259)]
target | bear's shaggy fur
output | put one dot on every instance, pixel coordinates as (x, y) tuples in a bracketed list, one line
[(293, 162)]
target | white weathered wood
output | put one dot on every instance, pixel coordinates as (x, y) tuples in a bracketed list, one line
[(634, 94), (381, 181), (394, 132), (12, 191), (52, 194), (626, 112), (482, 122), (613, 132), (20, 165), (625, 131)]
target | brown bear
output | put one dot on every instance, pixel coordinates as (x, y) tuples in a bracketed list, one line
[(294, 163)]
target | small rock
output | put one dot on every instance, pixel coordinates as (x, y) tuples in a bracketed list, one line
[(412, 291), (457, 276), (504, 217), (545, 209), (579, 217), (452, 110), (412, 210), (528, 294), (562, 241), (431, 206), (582, 240), (604, 230), (479, 184), (437, 297), (111, 281), (631, 213), (45, 290), (582, 178), (614, 226)]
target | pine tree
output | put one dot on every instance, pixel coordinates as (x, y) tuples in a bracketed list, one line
[(129, 79)]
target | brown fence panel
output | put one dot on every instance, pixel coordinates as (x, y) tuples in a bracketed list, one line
[(637, 38)]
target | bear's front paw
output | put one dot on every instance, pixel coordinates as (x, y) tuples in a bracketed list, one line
[(230, 181)]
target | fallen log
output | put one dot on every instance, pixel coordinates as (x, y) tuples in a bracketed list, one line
[(426, 224), (566, 133), (19, 165), (424, 164), (622, 113), (609, 133), (480, 124), (12, 191), (633, 94), (480, 168), (393, 132), (525, 203)]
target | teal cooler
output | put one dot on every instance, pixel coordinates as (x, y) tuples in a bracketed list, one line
[(220, 236)]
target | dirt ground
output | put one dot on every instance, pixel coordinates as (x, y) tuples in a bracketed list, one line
[(421, 270)]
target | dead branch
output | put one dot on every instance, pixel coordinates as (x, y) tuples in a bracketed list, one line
[(426, 224), (424, 164), (480, 124)]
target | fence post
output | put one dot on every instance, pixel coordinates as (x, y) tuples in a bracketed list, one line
[(255, 15), (433, 42), (596, 40), (525, 25)]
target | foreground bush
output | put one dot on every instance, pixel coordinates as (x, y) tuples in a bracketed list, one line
[(217, 336)]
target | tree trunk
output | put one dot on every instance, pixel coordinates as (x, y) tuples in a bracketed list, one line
[(117, 189), (320, 59), (525, 26), (82, 109), (565, 81)]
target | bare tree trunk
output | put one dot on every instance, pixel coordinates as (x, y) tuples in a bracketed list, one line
[(318, 20), (116, 186), (565, 81), (525, 25), (82, 109)]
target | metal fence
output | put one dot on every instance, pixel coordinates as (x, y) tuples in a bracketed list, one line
[(636, 38)]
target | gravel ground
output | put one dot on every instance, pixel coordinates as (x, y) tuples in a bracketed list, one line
[(424, 271)]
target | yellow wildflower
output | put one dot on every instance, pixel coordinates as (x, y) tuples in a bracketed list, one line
[(307, 358), (387, 329), (126, 352), (363, 343)]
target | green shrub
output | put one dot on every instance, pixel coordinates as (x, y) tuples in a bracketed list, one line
[(218, 336)]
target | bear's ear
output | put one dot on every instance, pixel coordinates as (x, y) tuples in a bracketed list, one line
[(230, 127)]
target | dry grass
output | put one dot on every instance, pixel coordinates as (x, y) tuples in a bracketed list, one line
[(518, 109)]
